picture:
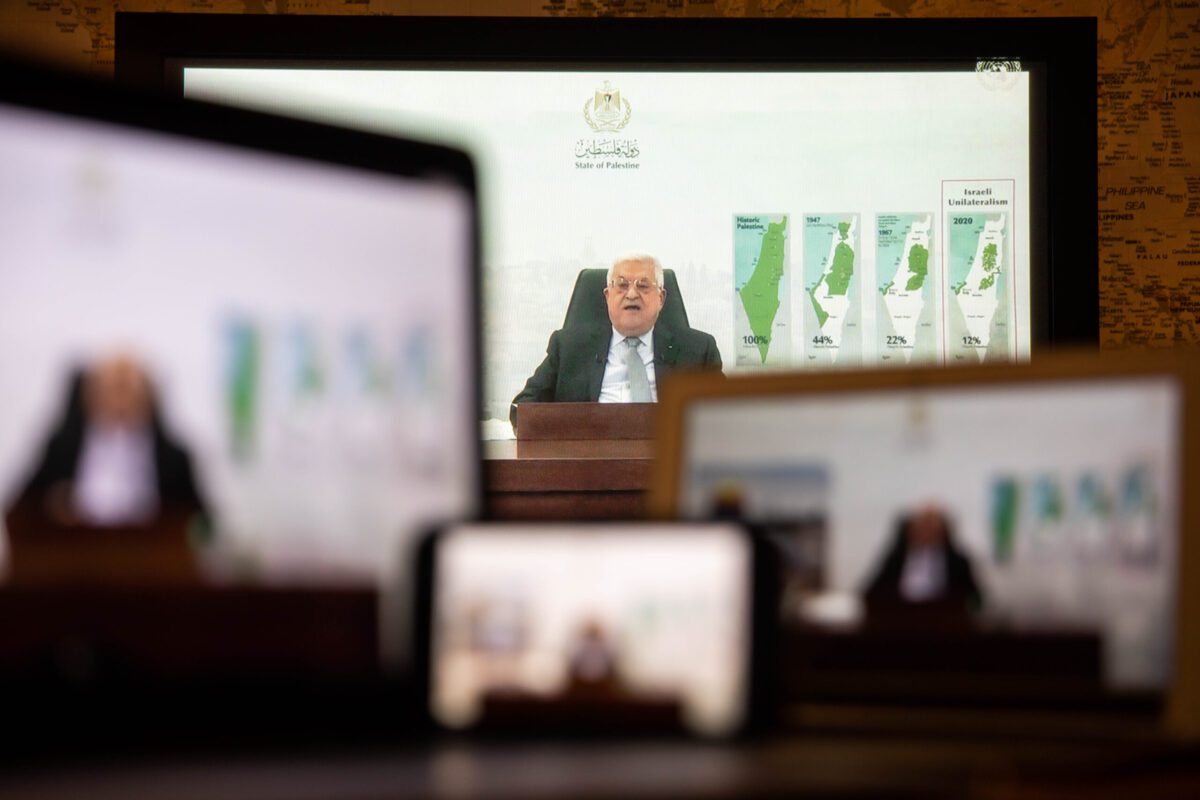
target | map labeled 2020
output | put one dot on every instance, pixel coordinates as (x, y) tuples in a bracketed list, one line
[(978, 271), (831, 284), (906, 318), (762, 298)]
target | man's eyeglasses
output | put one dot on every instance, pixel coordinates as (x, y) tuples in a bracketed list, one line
[(642, 285)]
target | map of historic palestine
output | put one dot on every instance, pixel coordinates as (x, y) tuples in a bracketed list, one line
[(979, 274), (762, 302), (903, 258), (830, 262), (1148, 102)]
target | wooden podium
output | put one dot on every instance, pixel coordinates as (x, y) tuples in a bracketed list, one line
[(572, 461)]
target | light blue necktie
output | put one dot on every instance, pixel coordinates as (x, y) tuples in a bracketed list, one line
[(639, 383)]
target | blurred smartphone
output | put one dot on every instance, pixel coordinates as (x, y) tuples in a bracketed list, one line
[(595, 628)]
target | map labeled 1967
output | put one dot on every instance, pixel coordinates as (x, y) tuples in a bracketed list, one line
[(907, 318), (762, 300), (979, 271)]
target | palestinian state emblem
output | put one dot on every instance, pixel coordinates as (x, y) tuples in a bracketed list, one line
[(606, 110)]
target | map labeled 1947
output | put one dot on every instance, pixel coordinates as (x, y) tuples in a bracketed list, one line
[(979, 271), (907, 319), (831, 283), (762, 299)]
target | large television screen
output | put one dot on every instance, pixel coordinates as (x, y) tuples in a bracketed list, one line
[(822, 201), (281, 345)]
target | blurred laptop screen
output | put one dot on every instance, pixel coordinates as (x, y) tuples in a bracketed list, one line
[(299, 336), (1059, 500)]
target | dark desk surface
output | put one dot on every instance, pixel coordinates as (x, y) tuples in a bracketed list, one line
[(803, 766)]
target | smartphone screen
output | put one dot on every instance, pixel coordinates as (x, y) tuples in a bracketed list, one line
[(630, 626)]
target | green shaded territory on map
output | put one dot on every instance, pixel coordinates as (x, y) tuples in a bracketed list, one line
[(918, 265), (830, 261), (990, 266), (243, 345), (762, 318), (1006, 500), (905, 311)]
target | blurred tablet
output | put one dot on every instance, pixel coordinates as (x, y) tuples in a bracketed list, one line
[(591, 628)]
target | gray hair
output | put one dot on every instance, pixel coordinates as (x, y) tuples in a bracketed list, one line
[(658, 268)]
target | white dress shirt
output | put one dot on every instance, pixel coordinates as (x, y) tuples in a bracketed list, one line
[(924, 576), (115, 481), (615, 387)]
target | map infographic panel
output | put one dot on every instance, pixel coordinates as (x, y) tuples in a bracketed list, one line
[(762, 301), (831, 264), (906, 312), (980, 290)]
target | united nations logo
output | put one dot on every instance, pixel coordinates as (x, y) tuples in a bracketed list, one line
[(998, 73), (998, 65), (606, 110)]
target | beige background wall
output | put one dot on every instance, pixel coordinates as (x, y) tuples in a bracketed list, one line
[(1149, 112)]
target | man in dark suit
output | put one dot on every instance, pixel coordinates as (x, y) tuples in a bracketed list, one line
[(924, 567), (623, 361), (110, 461)]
